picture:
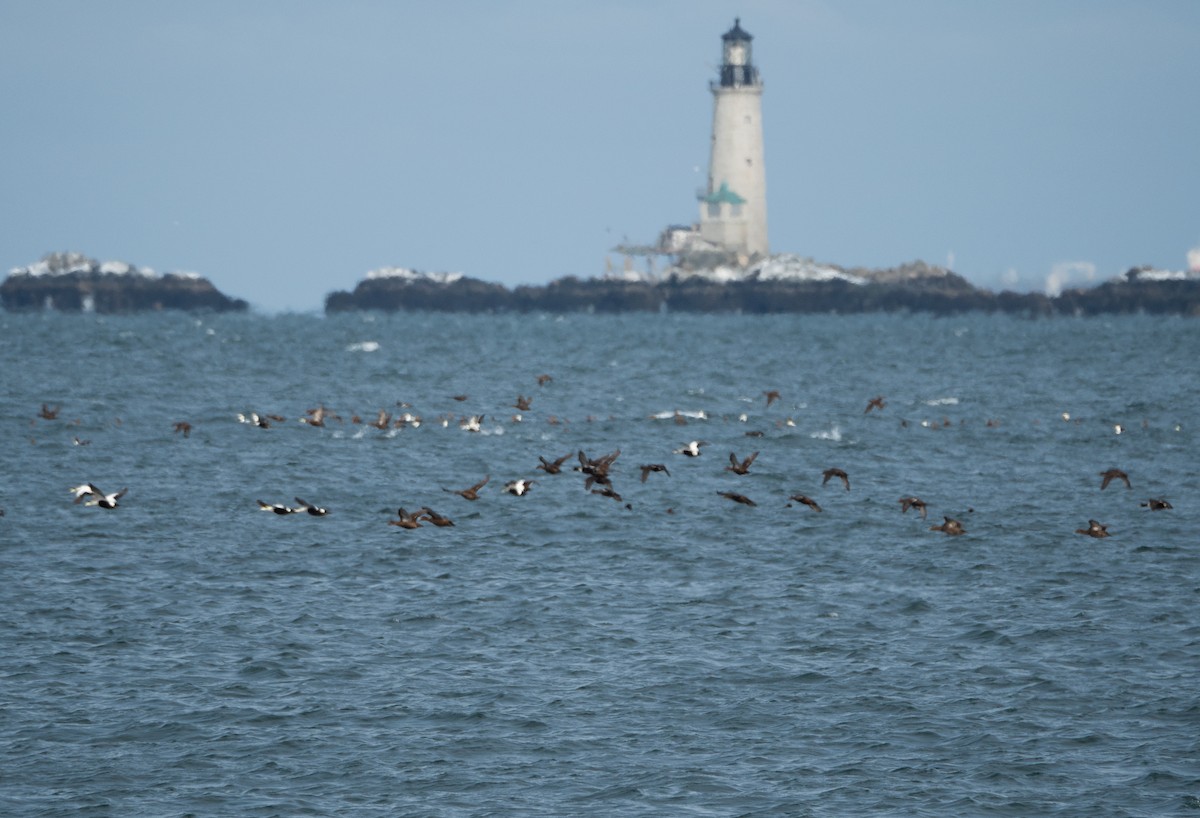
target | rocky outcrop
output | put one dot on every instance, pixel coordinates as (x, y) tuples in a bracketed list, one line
[(71, 282), (763, 288), (416, 291), (1140, 290)]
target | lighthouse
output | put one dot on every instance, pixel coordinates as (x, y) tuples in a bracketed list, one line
[(733, 208)]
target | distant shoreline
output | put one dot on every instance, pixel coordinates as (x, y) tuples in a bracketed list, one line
[(940, 295), (70, 282)]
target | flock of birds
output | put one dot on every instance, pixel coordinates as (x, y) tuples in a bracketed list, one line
[(596, 471)]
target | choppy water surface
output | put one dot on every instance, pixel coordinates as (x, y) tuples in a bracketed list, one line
[(562, 653)]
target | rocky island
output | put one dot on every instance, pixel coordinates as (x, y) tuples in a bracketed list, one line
[(777, 284), (72, 282)]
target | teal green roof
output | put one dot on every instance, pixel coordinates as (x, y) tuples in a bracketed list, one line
[(724, 194)]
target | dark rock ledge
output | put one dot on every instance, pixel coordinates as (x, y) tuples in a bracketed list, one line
[(913, 288), (71, 282)]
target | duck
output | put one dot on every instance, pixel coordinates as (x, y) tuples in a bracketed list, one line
[(182, 427), (407, 419), (254, 419), (519, 487), (543, 379), (951, 526), (552, 466), (435, 518), (83, 490), (472, 492), (1113, 474), (914, 503), (742, 466), (876, 402), (408, 520), (1157, 504), (316, 417), (737, 498), (523, 403), (1094, 529), (691, 449), (278, 508), (806, 501), (596, 469), (609, 492), (838, 473), (315, 511), (49, 414), (648, 468), (771, 395), (105, 500)]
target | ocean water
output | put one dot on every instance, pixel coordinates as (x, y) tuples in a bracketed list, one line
[(567, 654)]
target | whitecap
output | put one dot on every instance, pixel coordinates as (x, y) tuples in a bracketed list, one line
[(942, 402), (363, 346), (698, 414), (834, 433)]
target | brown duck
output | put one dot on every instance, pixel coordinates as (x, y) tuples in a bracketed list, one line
[(1094, 529), (435, 518), (915, 503), (471, 493), (742, 466), (653, 467), (1111, 475), (552, 466), (408, 520), (951, 526), (838, 473)]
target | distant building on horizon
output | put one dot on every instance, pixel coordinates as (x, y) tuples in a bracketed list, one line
[(733, 209), (732, 229)]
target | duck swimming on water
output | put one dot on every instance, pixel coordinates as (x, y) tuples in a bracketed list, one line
[(1094, 529), (951, 527)]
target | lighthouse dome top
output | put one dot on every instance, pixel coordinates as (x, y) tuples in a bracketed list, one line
[(737, 33)]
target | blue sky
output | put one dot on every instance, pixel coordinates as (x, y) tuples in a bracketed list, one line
[(284, 149)]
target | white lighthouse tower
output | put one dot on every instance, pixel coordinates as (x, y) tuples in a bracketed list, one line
[(733, 210)]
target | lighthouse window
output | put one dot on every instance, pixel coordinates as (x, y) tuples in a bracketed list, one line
[(735, 211), (714, 210), (749, 161), (748, 120)]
